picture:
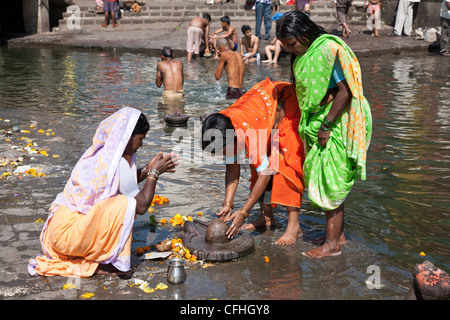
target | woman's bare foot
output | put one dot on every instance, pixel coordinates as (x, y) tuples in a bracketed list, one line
[(348, 33), (335, 235), (291, 234), (104, 25), (115, 25), (260, 222), (328, 249), (320, 241)]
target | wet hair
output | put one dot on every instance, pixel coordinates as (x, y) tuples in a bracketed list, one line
[(206, 16), (219, 122), (142, 125), (225, 19), (245, 27), (222, 42), (296, 24), (167, 52)]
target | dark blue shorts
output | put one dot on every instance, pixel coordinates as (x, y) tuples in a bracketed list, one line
[(110, 6)]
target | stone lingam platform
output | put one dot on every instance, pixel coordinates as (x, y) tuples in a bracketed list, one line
[(176, 119), (208, 241)]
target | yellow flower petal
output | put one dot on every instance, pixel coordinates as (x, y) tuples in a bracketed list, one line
[(88, 295), (69, 286), (148, 290), (161, 286)]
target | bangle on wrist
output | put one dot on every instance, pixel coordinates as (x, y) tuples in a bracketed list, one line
[(244, 213), (323, 128), (152, 177), (327, 123), (154, 173), (227, 203)]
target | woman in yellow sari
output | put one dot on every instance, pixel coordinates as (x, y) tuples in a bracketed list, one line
[(88, 230)]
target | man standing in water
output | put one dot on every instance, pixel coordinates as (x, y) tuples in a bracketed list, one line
[(198, 27), (170, 74), (233, 64)]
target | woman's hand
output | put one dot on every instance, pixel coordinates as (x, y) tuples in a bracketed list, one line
[(323, 136), (238, 220), (225, 212), (163, 163)]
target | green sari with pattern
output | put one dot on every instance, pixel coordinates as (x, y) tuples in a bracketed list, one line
[(331, 171)]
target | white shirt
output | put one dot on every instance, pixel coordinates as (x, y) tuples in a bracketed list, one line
[(128, 179), (445, 13)]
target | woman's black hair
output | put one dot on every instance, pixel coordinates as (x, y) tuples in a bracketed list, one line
[(296, 24), (219, 122), (142, 125)]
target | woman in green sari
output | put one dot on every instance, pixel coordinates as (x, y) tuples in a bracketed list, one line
[(336, 121)]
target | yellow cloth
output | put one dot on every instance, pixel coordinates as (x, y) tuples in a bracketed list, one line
[(173, 95), (76, 243)]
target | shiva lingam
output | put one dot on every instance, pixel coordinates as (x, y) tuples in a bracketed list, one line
[(176, 119), (210, 243)]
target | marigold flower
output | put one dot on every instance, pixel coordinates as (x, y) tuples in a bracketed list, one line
[(139, 250), (266, 259), (87, 295), (161, 286), (69, 286)]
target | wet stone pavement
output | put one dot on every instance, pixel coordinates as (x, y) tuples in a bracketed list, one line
[(24, 201)]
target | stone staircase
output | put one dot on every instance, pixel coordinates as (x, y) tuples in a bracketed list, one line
[(170, 12)]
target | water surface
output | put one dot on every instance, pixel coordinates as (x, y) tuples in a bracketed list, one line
[(402, 208)]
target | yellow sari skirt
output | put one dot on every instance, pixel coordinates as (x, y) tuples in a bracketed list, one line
[(75, 244)]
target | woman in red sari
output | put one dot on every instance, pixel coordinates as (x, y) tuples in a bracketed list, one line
[(264, 124)]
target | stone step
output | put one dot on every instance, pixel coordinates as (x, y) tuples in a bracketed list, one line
[(323, 13)]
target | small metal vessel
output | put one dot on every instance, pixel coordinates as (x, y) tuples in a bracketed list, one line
[(176, 273)]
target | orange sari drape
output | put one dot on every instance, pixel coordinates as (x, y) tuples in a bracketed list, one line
[(253, 117)]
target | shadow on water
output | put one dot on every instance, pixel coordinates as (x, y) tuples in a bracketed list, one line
[(400, 210)]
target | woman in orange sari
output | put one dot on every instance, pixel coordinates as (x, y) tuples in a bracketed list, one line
[(264, 123), (88, 230)]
